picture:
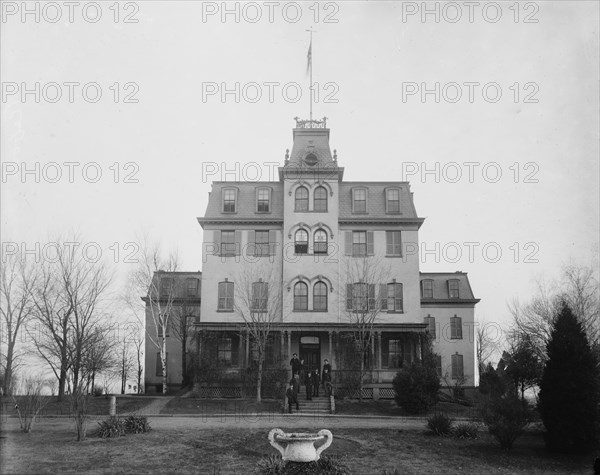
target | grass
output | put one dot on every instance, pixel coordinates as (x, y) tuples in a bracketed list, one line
[(389, 408), (222, 406), (97, 405), (52, 448)]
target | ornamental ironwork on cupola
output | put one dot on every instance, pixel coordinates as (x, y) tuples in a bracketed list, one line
[(311, 155)]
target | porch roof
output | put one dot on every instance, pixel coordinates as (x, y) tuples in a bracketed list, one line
[(314, 327)]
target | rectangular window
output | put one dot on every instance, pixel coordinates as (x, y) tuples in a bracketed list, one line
[(456, 328), (430, 321), (393, 243), (260, 295), (262, 201), (229, 201), (166, 287), (457, 367), (359, 243), (394, 298), (224, 346), (192, 287), (159, 371), (361, 297), (225, 296), (394, 354), (228, 243), (160, 327), (359, 201), (438, 365), (427, 289), (453, 289), (393, 201), (261, 242)]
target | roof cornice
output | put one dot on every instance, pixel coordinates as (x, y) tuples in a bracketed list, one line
[(236, 220)]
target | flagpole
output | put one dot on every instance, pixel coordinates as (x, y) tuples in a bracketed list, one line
[(310, 62)]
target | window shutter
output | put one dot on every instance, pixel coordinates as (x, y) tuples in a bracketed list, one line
[(454, 366), (348, 243), (452, 328), (383, 296), (348, 296), (370, 243), (458, 324), (272, 240), (251, 246), (238, 243), (459, 364), (216, 243), (389, 243), (371, 297)]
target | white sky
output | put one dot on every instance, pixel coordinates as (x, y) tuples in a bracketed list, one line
[(369, 53)]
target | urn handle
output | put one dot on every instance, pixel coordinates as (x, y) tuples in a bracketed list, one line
[(329, 436), (273, 442)]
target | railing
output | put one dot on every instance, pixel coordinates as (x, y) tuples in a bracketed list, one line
[(311, 124)]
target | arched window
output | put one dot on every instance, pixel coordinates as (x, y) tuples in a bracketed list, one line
[(320, 297), (301, 199), (320, 242), (300, 296), (320, 199), (301, 242)]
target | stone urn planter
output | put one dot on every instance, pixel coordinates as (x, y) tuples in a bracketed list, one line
[(299, 445)]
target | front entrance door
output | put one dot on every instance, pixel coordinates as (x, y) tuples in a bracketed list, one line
[(310, 352)]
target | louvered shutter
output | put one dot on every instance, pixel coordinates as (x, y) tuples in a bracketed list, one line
[(348, 249), (216, 244), (238, 243), (383, 296), (348, 296), (370, 243), (272, 241), (251, 246), (371, 303)]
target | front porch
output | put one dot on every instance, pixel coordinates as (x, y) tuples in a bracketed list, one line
[(227, 358)]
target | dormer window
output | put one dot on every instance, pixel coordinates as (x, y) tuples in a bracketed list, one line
[(359, 200), (302, 199), (453, 292), (263, 200), (392, 202), (427, 289), (229, 200)]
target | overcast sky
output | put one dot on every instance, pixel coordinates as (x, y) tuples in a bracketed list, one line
[(372, 61)]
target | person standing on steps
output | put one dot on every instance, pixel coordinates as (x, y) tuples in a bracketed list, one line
[(295, 364), (291, 397), (326, 377), (309, 385), (316, 380)]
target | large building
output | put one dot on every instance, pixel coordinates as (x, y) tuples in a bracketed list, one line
[(338, 260)]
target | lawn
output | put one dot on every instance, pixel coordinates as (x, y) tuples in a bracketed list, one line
[(97, 405), (179, 446)]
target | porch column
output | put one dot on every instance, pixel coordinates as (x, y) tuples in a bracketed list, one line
[(379, 357), (330, 346), (282, 345), (289, 338), (240, 352), (247, 348)]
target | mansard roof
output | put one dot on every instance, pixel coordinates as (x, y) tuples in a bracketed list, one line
[(376, 199), (246, 201), (441, 287)]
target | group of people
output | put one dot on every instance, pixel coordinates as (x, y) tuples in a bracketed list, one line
[(312, 380)]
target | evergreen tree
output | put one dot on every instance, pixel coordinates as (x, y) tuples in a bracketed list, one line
[(569, 389)]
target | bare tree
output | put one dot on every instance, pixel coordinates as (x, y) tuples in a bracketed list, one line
[(488, 345), (157, 289), (366, 296), (69, 297), (31, 402), (16, 308), (99, 355), (579, 287), (258, 295), (182, 325), (126, 360)]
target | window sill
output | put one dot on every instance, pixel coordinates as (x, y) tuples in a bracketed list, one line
[(229, 212), (360, 212), (263, 212), (301, 311), (394, 311), (225, 311), (394, 256), (456, 338)]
